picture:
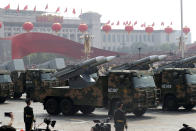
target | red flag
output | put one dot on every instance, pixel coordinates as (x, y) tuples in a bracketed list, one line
[(108, 22), (7, 7), (135, 23), (118, 23), (74, 11), (162, 23), (126, 23), (65, 10), (58, 9), (34, 9), (26, 7), (171, 23), (129, 22), (46, 7), (17, 10), (112, 23), (153, 24)]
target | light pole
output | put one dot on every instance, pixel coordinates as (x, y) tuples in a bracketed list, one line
[(181, 36), (139, 49)]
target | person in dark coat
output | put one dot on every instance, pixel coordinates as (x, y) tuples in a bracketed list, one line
[(28, 116), (120, 118)]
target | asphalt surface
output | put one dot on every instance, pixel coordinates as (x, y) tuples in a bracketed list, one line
[(153, 119)]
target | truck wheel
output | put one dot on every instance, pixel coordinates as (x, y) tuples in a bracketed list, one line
[(52, 107), (189, 107), (87, 109), (74, 110), (170, 103), (66, 107), (139, 112), (2, 99), (17, 95)]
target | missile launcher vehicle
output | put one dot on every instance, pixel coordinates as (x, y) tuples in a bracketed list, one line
[(78, 87), (177, 84), (6, 85)]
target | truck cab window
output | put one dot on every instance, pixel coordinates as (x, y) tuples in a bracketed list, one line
[(5, 78)]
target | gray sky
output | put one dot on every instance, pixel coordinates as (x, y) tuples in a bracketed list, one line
[(148, 11)]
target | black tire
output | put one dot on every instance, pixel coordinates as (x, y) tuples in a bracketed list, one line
[(52, 107), (188, 106), (17, 95), (170, 103), (139, 112), (66, 107), (75, 109), (2, 100), (87, 109)]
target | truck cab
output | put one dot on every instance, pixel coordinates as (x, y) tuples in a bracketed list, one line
[(6, 85), (178, 87), (135, 88)]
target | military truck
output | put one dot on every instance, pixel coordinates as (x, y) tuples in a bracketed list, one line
[(15, 66), (136, 89), (178, 87), (85, 92), (22, 80), (6, 85), (177, 84)]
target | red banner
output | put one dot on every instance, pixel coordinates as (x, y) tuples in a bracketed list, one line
[(34, 42)]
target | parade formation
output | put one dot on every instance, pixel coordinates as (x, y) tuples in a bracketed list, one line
[(137, 85)]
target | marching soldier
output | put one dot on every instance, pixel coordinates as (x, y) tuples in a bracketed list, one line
[(120, 118), (28, 116)]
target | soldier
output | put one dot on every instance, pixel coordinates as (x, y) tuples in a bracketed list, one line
[(28, 116), (120, 118)]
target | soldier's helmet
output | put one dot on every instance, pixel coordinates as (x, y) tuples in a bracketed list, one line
[(28, 101)]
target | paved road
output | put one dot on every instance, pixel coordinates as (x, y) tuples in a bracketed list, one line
[(153, 120)]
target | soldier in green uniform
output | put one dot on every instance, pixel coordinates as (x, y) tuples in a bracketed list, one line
[(120, 118), (28, 116)]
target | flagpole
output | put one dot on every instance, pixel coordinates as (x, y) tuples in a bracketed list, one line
[(182, 37)]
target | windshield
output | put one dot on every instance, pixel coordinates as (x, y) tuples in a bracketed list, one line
[(5, 78), (144, 81), (47, 77), (191, 78)]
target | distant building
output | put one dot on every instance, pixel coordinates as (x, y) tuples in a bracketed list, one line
[(117, 39), (114, 40)]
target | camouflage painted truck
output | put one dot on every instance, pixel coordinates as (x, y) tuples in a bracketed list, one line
[(18, 79), (136, 89), (6, 85), (177, 84), (78, 88), (16, 67), (143, 65)]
